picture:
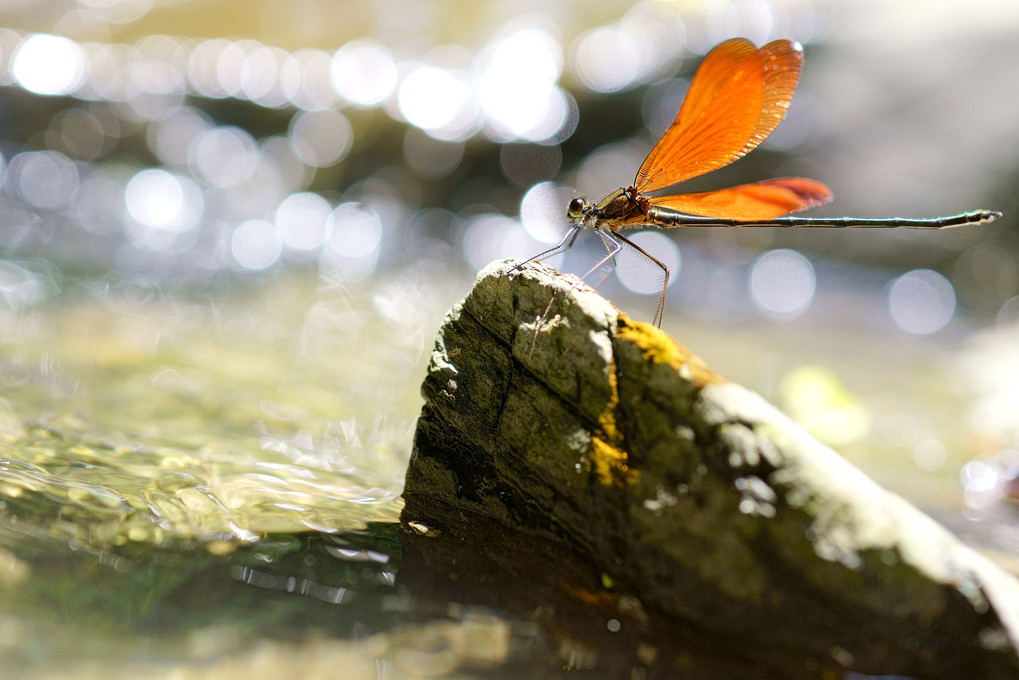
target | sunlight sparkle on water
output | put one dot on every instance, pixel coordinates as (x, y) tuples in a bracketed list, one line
[(49, 65), (315, 90), (303, 221), (980, 481), (155, 198), (542, 211), (517, 86), (256, 245), (202, 68), (438, 101), (171, 138), (321, 138), (164, 211), (782, 283), (45, 179), (269, 76), (156, 64), (353, 244), (230, 65), (489, 236), (606, 59), (921, 301), (222, 156), (363, 72), (356, 231)]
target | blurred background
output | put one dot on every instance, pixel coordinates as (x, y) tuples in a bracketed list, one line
[(195, 144), (229, 231)]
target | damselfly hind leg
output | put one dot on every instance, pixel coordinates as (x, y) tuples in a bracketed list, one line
[(657, 321)]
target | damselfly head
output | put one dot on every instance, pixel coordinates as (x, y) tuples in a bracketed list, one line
[(577, 208)]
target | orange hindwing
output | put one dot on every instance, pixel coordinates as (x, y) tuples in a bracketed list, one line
[(759, 201)]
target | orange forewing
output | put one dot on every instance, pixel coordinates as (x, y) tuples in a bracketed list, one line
[(737, 98), (759, 201)]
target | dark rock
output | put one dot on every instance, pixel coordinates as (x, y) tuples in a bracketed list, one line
[(550, 412)]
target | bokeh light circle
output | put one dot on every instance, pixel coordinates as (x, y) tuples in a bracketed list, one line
[(782, 283), (222, 156), (154, 197), (356, 231), (321, 138), (354, 242), (44, 179), (303, 221), (437, 101), (921, 301), (163, 210), (543, 211), (49, 65), (256, 245), (489, 236), (363, 72), (516, 86), (607, 59)]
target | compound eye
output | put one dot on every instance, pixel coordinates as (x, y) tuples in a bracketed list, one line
[(576, 208)]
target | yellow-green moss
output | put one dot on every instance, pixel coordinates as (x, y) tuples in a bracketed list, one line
[(608, 459), (658, 347), (610, 464)]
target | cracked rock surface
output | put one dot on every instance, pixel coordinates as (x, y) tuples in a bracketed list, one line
[(551, 413)]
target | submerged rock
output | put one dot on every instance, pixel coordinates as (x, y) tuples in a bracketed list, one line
[(550, 412)]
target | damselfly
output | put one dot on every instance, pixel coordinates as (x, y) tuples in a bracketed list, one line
[(737, 98)]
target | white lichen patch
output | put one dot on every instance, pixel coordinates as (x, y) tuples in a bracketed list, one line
[(756, 497)]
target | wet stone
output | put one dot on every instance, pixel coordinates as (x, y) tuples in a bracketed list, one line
[(552, 414)]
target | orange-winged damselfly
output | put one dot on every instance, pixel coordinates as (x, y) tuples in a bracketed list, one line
[(737, 98)]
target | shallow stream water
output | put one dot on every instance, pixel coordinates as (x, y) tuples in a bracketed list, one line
[(209, 486)]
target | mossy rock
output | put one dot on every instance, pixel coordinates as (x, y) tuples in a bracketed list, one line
[(552, 413)]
